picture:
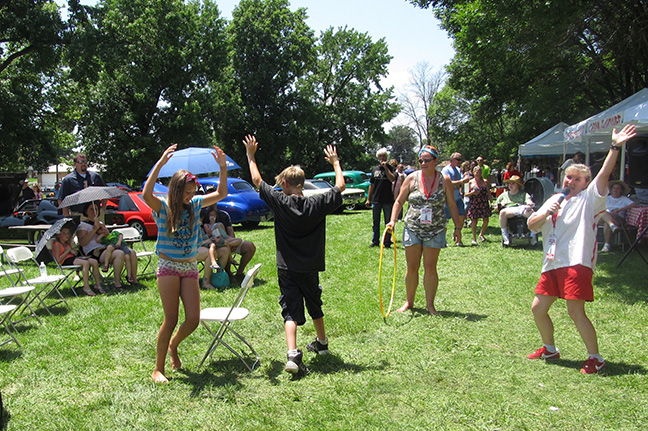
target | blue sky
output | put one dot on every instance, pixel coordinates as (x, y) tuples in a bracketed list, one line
[(412, 34)]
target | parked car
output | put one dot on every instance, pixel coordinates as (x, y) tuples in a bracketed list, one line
[(351, 197), (352, 179), (33, 211), (136, 213), (243, 203)]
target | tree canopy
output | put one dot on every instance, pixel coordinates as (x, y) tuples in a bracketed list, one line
[(523, 66)]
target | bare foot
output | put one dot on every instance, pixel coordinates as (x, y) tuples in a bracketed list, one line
[(405, 307), (433, 311), (159, 377), (176, 363)]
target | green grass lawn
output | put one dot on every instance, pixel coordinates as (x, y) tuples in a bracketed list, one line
[(88, 368)]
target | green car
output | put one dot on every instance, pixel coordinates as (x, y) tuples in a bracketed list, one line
[(355, 179)]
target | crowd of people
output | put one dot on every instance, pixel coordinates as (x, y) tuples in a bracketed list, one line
[(191, 229)]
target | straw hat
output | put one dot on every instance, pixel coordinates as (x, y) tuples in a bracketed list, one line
[(626, 188), (515, 179)]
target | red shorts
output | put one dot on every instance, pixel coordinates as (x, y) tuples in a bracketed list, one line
[(570, 282)]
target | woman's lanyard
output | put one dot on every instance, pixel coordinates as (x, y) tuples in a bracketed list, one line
[(425, 191)]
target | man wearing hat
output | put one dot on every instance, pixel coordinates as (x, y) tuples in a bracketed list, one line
[(511, 203), (617, 204)]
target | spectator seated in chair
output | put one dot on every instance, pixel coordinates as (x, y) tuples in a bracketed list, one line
[(514, 202), (617, 204), (210, 251)]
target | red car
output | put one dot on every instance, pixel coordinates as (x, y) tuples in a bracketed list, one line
[(136, 213)]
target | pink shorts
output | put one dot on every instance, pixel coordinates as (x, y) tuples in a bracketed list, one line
[(170, 268), (570, 282)]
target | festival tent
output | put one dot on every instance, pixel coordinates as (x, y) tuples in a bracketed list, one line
[(548, 143)]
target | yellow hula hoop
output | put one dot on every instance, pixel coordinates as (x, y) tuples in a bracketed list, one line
[(382, 248)]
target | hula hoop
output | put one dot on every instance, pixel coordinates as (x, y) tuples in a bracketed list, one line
[(382, 248)]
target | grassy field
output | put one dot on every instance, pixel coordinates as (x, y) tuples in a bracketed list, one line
[(88, 368)]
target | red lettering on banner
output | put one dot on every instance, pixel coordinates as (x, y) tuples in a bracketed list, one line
[(605, 123)]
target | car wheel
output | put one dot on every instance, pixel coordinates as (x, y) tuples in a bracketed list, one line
[(350, 207), (139, 226)]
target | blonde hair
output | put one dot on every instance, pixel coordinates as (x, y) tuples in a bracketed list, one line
[(583, 169), (294, 175), (175, 202)]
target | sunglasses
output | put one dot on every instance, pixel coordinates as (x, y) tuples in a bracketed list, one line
[(427, 160)]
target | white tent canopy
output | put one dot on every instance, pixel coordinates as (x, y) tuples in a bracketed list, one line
[(549, 142)]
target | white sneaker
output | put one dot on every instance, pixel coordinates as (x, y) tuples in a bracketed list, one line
[(605, 248), (506, 241)]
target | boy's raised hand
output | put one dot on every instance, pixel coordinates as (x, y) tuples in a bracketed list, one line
[(331, 154), (251, 145)]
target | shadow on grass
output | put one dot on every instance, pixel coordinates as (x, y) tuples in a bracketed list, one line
[(611, 368), (627, 282), (471, 317), (8, 353), (215, 374), (322, 364)]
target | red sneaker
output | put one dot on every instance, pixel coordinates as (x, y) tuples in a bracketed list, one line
[(543, 353), (592, 366)]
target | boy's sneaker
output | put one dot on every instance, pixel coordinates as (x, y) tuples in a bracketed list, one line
[(295, 364), (592, 366), (317, 347), (543, 353), (606, 248)]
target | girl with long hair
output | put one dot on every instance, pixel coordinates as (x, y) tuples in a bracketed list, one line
[(178, 221)]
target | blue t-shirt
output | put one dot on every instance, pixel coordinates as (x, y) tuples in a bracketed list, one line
[(183, 244), (455, 175)]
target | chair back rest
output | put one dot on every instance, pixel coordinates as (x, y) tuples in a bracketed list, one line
[(129, 233), (20, 254), (246, 284)]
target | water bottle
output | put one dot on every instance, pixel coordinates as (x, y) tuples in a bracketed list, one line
[(43, 270)]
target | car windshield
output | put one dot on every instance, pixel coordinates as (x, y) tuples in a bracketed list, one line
[(126, 204), (242, 186), (321, 184)]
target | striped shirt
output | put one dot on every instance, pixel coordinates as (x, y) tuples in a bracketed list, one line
[(183, 244)]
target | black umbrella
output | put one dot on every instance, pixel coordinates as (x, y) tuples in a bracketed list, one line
[(49, 234), (91, 194)]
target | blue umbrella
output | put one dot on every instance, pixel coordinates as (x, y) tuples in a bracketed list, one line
[(195, 160)]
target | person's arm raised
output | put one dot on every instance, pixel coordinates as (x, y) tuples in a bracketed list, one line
[(333, 159), (251, 146), (618, 139), (221, 191), (147, 193)]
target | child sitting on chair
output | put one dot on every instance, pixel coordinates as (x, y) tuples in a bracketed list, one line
[(219, 238), (114, 241), (64, 255)]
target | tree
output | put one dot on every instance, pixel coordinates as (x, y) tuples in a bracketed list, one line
[(418, 98), (144, 69), (348, 107), (403, 144), (271, 47), (527, 65), (31, 112)]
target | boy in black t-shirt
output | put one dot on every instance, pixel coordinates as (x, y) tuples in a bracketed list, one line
[(300, 234)]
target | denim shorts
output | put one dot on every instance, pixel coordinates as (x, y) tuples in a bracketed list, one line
[(172, 268), (410, 238), (460, 207)]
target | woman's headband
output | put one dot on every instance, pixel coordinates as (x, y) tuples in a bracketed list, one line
[(429, 150)]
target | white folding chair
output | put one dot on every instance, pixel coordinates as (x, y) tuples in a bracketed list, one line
[(46, 285), (226, 316), (18, 295), (132, 237), (70, 272), (5, 313)]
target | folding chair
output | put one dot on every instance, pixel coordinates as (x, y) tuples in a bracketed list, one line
[(47, 284), (68, 271), (16, 294), (226, 316), (132, 237), (5, 313)]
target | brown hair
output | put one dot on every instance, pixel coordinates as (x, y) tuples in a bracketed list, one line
[(583, 169), (175, 201)]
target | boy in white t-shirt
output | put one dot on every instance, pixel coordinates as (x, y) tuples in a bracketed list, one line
[(617, 204), (569, 238)]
